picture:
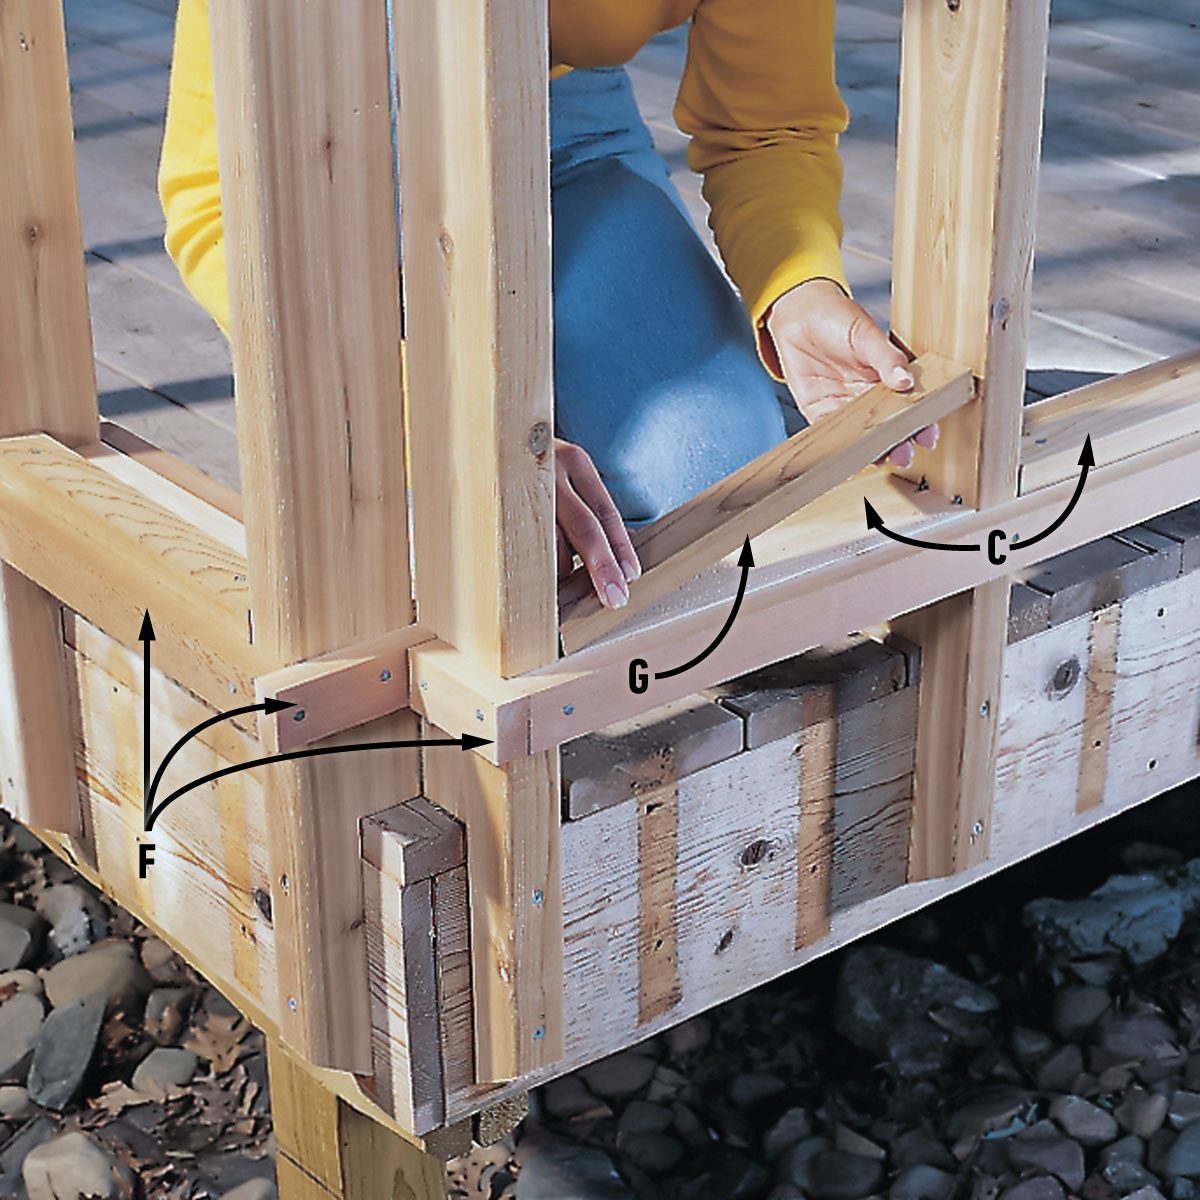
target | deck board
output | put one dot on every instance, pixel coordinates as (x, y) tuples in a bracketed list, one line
[(1116, 281)]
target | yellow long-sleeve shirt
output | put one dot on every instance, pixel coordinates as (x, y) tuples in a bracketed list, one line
[(758, 99)]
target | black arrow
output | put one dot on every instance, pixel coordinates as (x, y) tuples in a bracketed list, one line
[(466, 742), (267, 706), (745, 561), (1087, 460), (875, 521), (146, 636)]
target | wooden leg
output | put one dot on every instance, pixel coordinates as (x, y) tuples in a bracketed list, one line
[(327, 1148)]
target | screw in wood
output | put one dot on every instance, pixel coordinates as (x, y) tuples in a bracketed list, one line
[(977, 829), (299, 715), (539, 1033), (292, 1003), (985, 708), (385, 676), (568, 709), (538, 898)]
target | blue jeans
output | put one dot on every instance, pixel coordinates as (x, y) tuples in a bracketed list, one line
[(655, 369)]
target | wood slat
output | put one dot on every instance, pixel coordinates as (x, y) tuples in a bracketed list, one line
[(699, 533)]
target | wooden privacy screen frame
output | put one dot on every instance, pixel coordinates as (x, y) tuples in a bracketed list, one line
[(697, 535)]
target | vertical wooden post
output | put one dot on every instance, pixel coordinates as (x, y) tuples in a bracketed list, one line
[(972, 83), (47, 383), (308, 195), (474, 186)]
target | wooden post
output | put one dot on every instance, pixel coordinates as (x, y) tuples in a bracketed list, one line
[(308, 195), (475, 200), (47, 383), (972, 82)]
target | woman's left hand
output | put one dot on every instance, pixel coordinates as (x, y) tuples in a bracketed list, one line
[(831, 351)]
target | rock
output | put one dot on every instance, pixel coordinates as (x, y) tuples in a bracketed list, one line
[(108, 969), (621, 1075), (1061, 1069), (22, 932), (1142, 1113), (785, 1191), (883, 998), (164, 1070), (922, 1182), (77, 918), (690, 1127), (21, 1020), (252, 1189), (845, 1138), (12, 982), (793, 1125), (640, 1116), (1183, 1110), (1047, 1150), (1131, 1148), (72, 1165), (15, 1104), (795, 1163), (1077, 1008), (665, 1084), (689, 1038), (1040, 1187), (991, 1110), (917, 1147), (552, 1169), (839, 1175), (1124, 1175), (167, 1012), (1144, 1041), (735, 1176), (13, 1156), (64, 1051), (567, 1097), (1137, 915), (1149, 1192), (1184, 1156), (653, 1152), (1084, 1121), (1029, 1043), (752, 1088), (157, 957)]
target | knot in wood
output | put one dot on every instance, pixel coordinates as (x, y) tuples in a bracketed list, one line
[(446, 242), (1065, 677), (760, 850), (262, 901), (539, 440), (32, 233)]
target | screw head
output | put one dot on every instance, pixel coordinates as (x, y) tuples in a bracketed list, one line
[(977, 829), (538, 897), (539, 1033), (299, 715), (568, 709), (479, 714), (985, 708), (385, 676), (292, 1003)]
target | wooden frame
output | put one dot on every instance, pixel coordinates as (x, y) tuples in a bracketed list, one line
[(407, 925)]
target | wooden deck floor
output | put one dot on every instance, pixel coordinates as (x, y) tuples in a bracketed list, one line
[(1117, 276)]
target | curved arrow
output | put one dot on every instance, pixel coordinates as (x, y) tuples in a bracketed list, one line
[(745, 561), (1087, 460), (267, 706), (466, 742), (875, 521)]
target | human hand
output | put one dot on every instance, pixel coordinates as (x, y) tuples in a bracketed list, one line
[(831, 351), (590, 525)]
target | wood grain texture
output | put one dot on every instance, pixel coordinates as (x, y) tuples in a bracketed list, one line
[(511, 815), (1123, 415), (47, 382), (1100, 682), (110, 553), (699, 533), (815, 841), (304, 122), (659, 986), (475, 179)]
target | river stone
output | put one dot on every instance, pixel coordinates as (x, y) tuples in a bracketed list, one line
[(1142, 1113), (735, 1176), (882, 1005), (1029, 1043), (922, 1182), (689, 1038), (1077, 1008), (1124, 1175), (1184, 1109), (32, 1134), (567, 1097), (1144, 1041), (1084, 1121), (795, 1163), (1040, 1187), (752, 1088), (653, 1152), (840, 1175), (166, 1014), (793, 1125), (21, 981), (989, 1111), (1128, 1147), (21, 1019), (64, 1052), (1047, 1150), (72, 1165), (642, 1116), (108, 969), (552, 1169), (164, 1069), (22, 932), (77, 918), (1149, 1192), (15, 1104), (1137, 915), (1184, 1156), (621, 1075), (1060, 1069), (252, 1189)]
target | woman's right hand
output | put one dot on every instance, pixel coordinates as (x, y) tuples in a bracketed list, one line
[(590, 525)]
